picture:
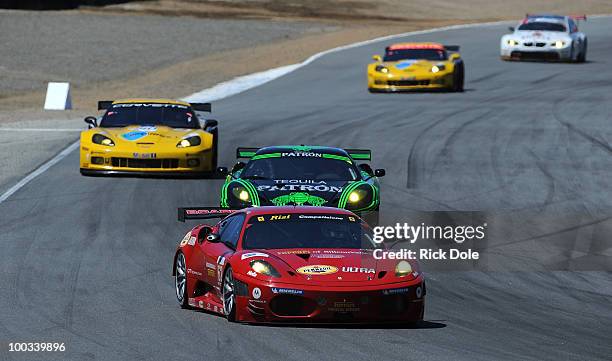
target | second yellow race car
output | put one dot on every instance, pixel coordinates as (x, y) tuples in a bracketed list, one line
[(410, 66), (149, 137)]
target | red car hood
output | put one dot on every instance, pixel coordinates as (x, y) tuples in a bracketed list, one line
[(334, 266)]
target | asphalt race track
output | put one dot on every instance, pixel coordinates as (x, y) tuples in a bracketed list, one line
[(87, 261)]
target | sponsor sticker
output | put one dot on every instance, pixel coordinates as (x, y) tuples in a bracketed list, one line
[(317, 270), (405, 64), (147, 128), (253, 254), (344, 306), (256, 293), (322, 256), (195, 212), (185, 239), (191, 241), (287, 291), (145, 155), (252, 273), (308, 216), (190, 271), (134, 135), (358, 270), (302, 154), (299, 185), (396, 291), (149, 105)]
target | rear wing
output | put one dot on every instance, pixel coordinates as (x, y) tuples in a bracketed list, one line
[(560, 17), (360, 154), (188, 213), (202, 107), (357, 154), (245, 152), (453, 48)]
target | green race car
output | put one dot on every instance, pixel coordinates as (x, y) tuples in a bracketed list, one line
[(304, 175)]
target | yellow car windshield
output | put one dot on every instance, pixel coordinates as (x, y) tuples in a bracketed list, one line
[(415, 54), (171, 115)]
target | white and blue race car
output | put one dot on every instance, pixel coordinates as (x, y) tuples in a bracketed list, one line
[(546, 37)]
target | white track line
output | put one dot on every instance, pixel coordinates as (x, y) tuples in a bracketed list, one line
[(243, 83), (40, 170), (40, 130)]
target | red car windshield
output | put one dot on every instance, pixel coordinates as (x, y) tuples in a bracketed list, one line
[(307, 231)]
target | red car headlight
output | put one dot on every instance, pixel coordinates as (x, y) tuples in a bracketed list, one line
[(264, 268)]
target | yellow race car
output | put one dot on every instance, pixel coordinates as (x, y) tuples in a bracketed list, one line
[(149, 137), (424, 66)]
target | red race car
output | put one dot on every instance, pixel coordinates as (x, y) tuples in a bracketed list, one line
[(295, 263)]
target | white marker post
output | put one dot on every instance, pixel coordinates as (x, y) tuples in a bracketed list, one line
[(58, 96)]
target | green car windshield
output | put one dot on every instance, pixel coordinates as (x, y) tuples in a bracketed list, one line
[(300, 168), (307, 231)]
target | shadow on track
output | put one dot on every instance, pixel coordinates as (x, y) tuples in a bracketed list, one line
[(369, 326)]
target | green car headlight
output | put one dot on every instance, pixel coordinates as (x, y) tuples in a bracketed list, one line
[(403, 269), (241, 193), (357, 195), (238, 196), (264, 268), (189, 142), (360, 198), (103, 140)]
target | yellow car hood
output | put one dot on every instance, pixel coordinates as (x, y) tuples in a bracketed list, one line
[(152, 135)]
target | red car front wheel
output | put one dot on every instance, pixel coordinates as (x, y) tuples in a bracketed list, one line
[(229, 296), (180, 280)]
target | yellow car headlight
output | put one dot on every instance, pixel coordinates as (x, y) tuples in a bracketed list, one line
[(264, 268), (189, 142), (382, 69), (103, 140), (403, 269), (437, 68)]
